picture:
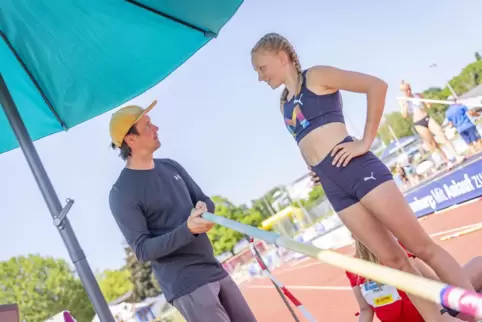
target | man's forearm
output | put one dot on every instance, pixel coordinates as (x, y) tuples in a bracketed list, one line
[(147, 249)]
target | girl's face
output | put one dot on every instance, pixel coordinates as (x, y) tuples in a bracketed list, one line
[(271, 67), (405, 88)]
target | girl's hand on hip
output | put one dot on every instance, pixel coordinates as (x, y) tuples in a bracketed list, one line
[(344, 152)]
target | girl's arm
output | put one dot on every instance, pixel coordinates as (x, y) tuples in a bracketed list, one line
[(373, 87), (404, 108), (366, 311)]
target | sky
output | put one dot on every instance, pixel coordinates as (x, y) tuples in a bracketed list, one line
[(222, 125)]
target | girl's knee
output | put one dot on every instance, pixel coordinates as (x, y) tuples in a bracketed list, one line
[(426, 251), (433, 145), (399, 261)]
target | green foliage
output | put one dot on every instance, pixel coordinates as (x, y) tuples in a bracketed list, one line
[(224, 239), (43, 287), (469, 78), (400, 125), (115, 283), (437, 111), (316, 195), (263, 205), (141, 277)]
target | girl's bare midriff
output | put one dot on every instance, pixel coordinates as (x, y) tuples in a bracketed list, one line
[(419, 114), (317, 144)]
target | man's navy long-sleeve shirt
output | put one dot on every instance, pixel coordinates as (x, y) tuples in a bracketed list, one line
[(151, 208)]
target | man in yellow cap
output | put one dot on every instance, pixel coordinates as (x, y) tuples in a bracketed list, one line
[(158, 208)]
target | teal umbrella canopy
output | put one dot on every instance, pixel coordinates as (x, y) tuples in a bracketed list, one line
[(65, 62)]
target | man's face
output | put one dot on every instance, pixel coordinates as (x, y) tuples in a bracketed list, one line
[(147, 140)]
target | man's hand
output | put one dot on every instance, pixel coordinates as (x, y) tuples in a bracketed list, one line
[(314, 177), (200, 205), (195, 223), (473, 113)]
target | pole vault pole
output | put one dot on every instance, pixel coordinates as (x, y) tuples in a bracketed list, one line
[(425, 100), (465, 301)]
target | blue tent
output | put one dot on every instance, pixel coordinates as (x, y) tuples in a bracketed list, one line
[(65, 62)]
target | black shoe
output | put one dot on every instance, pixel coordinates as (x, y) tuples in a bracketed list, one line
[(451, 312)]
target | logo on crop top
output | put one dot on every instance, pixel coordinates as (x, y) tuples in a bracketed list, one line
[(296, 117), (298, 100)]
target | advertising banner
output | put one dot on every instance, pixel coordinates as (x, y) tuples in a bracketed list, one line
[(453, 188)]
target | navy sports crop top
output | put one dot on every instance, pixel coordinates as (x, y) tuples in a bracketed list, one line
[(307, 111)]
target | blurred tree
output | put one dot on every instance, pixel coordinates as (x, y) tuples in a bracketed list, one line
[(43, 287), (143, 284), (115, 283)]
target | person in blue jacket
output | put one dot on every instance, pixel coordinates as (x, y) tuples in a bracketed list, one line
[(458, 116)]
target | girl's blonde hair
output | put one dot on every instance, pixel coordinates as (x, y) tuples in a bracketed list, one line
[(362, 252), (276, 43)]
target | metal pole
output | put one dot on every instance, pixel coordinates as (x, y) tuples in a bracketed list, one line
[(280, 292), (452, 91), (268, 205), (53, 203), (448, 84), (392, 132)]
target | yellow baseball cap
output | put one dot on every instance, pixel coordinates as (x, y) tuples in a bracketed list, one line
[(122, 120)]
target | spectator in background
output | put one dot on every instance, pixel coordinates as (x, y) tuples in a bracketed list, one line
[(458, 117), (407, 174), (403, 176)]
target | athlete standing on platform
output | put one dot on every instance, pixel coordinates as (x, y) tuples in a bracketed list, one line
[(358, 185), (426, 126)]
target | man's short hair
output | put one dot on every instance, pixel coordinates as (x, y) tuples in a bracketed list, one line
[(125, 151)]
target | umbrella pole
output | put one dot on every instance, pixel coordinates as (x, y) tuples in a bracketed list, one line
[(53, 203)]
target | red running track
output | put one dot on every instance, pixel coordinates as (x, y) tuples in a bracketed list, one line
[(324, 290)]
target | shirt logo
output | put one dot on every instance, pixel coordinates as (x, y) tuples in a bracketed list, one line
[(177, 177)]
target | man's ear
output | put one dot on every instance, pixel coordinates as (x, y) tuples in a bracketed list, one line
[(130, 139)]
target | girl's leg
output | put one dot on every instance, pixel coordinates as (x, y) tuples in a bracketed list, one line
[(429, 140), (388, 205), (473, 268), (437, 130), (373, 234)]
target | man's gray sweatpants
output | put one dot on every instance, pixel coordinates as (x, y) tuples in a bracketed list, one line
[(219, 301)]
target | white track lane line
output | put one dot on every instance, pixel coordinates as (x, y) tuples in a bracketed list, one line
[(305, 287)]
